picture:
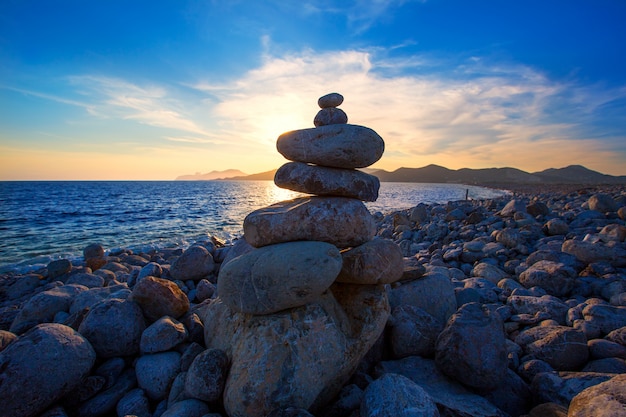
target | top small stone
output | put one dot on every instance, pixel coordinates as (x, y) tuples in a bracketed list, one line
[(330, 100)]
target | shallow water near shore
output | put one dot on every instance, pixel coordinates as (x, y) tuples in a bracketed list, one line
[(45, 220)]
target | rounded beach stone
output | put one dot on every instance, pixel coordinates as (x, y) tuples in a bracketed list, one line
[(341, 221), (555, 227), (552, 306), (94, 256), (150, 269), (6, 338), (319, 180), (433, 293), (556, 278), (339, 146), (330, 116), (605, 317), (114, 327), (207, 375), (104, 402), (602, 202), (134, 403), (195, 263), (378, 261), (42, 307), (162, 335), (277, 277), (58, 267), (588, 252), (42, 366), (187, 408), (330, 100), (607, 399), (472, 349), (160, 297), (562, 347), (88, 280), (395, 395), (289, 412), (156, 372), (412, 332)]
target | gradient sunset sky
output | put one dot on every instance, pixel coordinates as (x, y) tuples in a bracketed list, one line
[(144, 90)]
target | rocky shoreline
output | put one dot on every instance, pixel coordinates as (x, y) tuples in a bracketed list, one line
[(513, 306)]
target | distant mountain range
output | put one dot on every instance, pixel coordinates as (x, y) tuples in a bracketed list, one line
[(573, 174), (213, 175)]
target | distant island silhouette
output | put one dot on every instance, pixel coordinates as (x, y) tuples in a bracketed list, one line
[(572, 174)]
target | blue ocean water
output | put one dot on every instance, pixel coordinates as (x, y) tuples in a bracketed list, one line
[(45, 220)]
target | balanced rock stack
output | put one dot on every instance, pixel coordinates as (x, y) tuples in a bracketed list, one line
[(299, 310)]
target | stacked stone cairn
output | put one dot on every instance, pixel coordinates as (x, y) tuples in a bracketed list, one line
[(297, 312)]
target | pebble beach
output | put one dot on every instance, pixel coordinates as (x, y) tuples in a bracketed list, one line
[(533, 287), (514, 306)]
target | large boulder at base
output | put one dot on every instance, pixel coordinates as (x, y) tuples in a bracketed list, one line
[(396, 395), (433, 293), (299, 357), (195, 263), (277, 277), (471, 348), (607, 399), (42, 366), (564, 348), (452, 398), (341, 221), (337, 145), (114, 327), (160, 297), (319, 180), (378, 261)]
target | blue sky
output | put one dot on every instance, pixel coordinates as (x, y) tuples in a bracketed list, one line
[(152, 90)]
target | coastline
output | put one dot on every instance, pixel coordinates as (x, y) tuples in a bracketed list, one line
[(545, 257)]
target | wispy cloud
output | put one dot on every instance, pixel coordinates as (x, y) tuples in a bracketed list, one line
[(151, 105), (360, 15)]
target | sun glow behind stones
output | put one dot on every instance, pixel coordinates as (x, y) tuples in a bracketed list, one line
[(275, 193)]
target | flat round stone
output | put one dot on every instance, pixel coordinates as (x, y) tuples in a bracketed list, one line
[(341, 221), (330, 116), (315, 179), (277, 277), (339, 146), (330, 100)]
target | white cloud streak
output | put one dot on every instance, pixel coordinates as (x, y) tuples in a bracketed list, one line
[(153, 106)]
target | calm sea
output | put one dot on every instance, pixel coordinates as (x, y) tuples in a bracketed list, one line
[(45, 220)]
